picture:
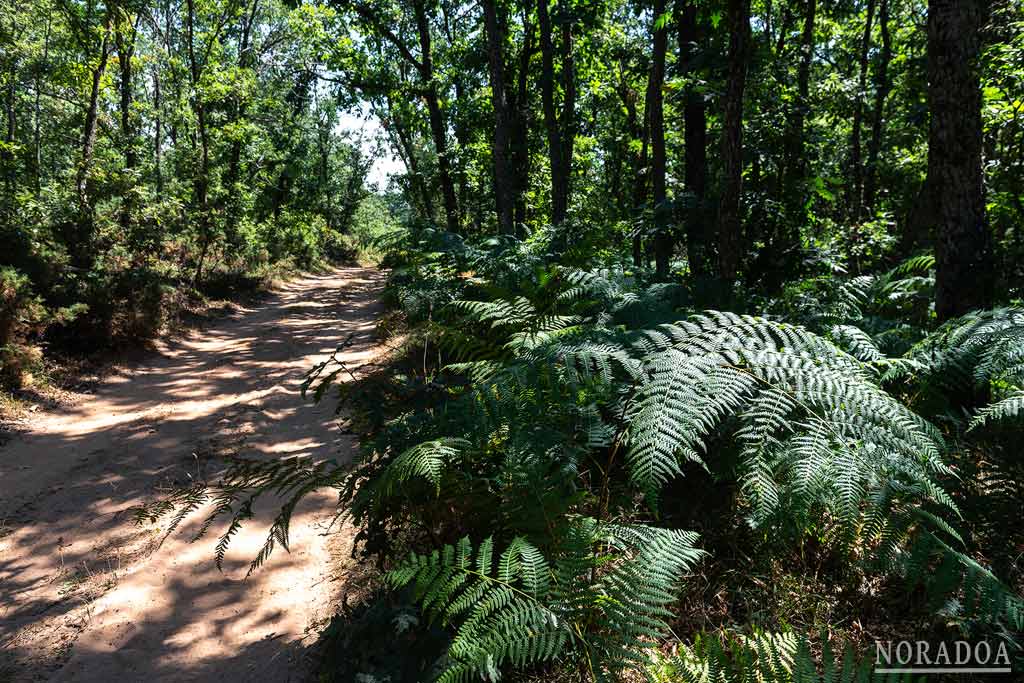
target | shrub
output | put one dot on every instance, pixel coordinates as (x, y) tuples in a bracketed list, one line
[(22, 314)]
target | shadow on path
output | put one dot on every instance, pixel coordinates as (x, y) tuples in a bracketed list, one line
[(82, 595)]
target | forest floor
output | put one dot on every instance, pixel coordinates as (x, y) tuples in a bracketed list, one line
[(86, 594)]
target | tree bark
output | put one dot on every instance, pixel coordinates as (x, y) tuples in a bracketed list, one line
[(638, 161), (698, 241), (881, 93), (201, 178), (124, 38), (520, 108), (856, 168), (729, 225), (662, 237), (503, 182), (407, 151), (437, 127), (158, 134), (795, 171), (964, 261), (10, 107), (37, 146), (560, 130), (568, 118), (547, 86), (245, 60), (81, 245)]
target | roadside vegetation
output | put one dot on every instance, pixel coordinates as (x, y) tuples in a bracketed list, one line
[(705, 324)]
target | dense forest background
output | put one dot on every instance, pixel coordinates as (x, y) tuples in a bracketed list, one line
[(156, 150), (742, 267), (150, 148)]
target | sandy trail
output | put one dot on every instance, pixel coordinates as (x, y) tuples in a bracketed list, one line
[(83, 595)]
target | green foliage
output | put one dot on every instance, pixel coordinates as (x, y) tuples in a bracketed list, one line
[(1010, 407), (981, 349), (205, 153), (23, 318), (770, 658), (557, 400), (568, 409), (521, 608)]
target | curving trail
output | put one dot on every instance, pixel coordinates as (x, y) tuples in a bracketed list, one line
[(84, 593)]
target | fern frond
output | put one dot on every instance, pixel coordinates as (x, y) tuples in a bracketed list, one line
[(1011, 406), (498, 605), (428, 460), (812, 426), (785, 657)]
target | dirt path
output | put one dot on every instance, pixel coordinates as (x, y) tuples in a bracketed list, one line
[(83, 597)]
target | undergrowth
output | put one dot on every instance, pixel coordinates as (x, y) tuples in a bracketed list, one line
[(575, 468)]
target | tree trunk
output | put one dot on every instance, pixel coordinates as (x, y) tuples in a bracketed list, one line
[(856, 169), (11, 133), (81, 245), (245, 59), (729, 225), (640, 190), (437, 128), (125, 51), (964, 261), (547, 87), (638, 162), (881, 93), (37, 146), (560, 133), (795, 170), (503, 182), (200, 179), (568, 118), (662, 238), (408, 153), (520, 144), (698, 242), (461, 128), (158, 135)]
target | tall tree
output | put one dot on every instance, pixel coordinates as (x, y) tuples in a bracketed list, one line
[(424, 66), (882, 87), (503, 120), (80, 243), (561, 127), (201, 176), (656, 112), (124, 38), (699, 245), (964, 261), (729, 223), (519, 152), (37, 123), (437, 125), (639, 137), (856, 182), (239, 106), (795, 162)]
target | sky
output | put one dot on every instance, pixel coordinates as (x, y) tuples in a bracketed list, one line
[(366, 127)]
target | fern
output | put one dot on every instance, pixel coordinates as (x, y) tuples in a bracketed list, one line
[(521, 608), (1011, 406), (427, 460), (568, 403), (977, 348), (769, 658), (813, 427)]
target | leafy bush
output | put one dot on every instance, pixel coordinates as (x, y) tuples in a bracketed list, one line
[(23, 317), (529, 474)]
